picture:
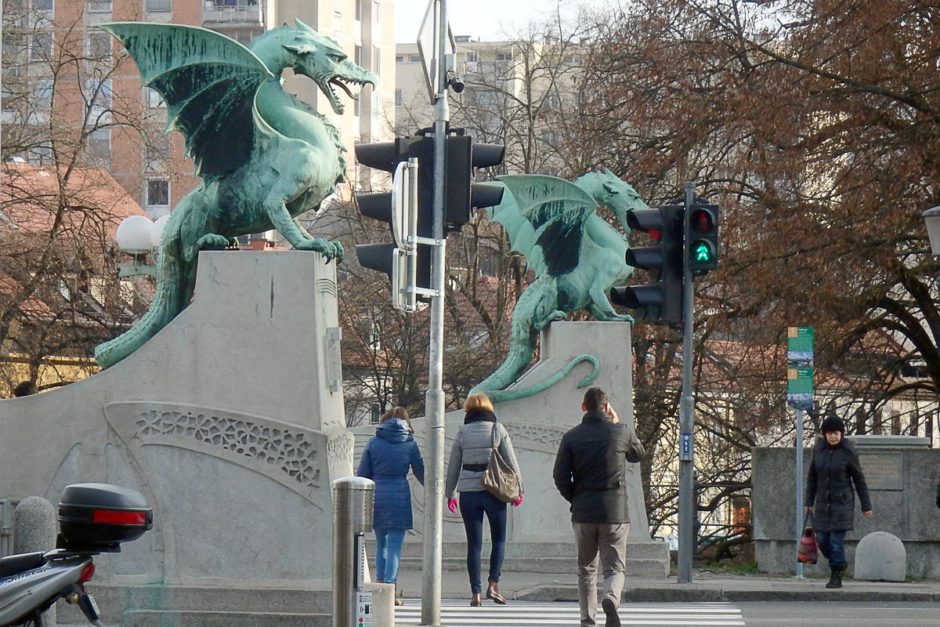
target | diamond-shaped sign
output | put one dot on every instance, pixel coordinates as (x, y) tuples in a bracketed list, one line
[(429, 46)]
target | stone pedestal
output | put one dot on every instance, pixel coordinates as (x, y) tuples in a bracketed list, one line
[(230, 421), (540, 537)]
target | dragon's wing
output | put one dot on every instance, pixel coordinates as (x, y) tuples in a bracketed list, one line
[(208, 82), (544, 220)]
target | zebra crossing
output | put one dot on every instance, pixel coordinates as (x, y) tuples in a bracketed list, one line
[(551, 614)]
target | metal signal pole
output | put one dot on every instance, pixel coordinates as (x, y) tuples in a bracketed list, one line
[(434, 400), (686, 409)]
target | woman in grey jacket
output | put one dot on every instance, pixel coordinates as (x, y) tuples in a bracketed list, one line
[(469, 457)]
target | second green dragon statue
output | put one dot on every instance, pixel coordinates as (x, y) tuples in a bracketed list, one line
[(263, 155), (576, 256)]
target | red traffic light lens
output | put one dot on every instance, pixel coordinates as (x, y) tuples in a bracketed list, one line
[(702, 221)]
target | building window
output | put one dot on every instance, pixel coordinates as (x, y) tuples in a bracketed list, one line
[(42, 91), (40, 48), (159, 5), (153, 99), (357, 56), (375, 413), (357, 110), (98, 45), (376, 11), (358, 10), (99, 145), (504, 56), (376, 59), (397, 97), (99, 100), (158, 193), (43, 5), (40, 154), (99, 6), (415, 58), (157, 148)]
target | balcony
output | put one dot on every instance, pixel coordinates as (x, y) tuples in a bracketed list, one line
[(225, 13)]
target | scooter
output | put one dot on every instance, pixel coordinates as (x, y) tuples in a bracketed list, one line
[(93, 518)]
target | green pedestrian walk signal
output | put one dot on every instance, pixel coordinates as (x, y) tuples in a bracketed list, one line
[(702, 253), (703, 237)]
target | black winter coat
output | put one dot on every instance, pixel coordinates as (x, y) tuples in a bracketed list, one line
[(590, 465), (833, 471)]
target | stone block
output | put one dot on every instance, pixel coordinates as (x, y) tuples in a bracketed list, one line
[(880, 556), (35, 525)]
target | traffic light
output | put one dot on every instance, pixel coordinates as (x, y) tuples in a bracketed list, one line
[(659, 302), (703, 237), (462, 196), (407, 266)]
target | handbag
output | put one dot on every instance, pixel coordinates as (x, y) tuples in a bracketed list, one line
[(499, 478), (808, 551)]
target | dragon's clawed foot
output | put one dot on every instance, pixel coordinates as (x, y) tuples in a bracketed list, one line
[(212, 241), (330, 250)]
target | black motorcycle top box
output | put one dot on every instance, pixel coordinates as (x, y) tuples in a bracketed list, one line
[(99, 517)]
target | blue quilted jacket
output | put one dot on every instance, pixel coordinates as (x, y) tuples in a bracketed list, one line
[(386, 460)]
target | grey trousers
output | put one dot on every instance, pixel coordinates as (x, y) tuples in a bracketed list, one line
[(609, 542)]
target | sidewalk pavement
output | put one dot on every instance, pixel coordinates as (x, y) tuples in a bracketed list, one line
[(706, 586)]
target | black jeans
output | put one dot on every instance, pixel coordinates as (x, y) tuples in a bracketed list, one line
[(473, 505)]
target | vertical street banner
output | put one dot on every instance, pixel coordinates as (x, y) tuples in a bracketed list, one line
[(800, 367)]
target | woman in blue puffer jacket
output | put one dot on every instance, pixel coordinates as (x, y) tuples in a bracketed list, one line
[(386, 460)]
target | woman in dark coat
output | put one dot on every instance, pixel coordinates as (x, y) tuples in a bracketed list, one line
[(386, 460), (833, 471)]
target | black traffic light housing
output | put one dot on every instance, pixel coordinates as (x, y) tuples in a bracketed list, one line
[(703, 237), (386, 156), (659, 302), (461, 195)]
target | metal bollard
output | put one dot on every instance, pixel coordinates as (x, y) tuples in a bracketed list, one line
[(353, 500)]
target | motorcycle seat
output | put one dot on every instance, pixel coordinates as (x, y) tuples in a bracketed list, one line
[(16, 564)]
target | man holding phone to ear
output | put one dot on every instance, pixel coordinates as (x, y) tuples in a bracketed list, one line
[(589, 473)]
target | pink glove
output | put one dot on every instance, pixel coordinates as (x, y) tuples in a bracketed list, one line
[(519, 500), (452, 505)]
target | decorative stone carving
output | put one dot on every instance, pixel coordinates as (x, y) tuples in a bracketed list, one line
[(285, 453)]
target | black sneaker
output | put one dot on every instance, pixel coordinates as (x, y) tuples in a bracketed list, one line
[(610, 609)]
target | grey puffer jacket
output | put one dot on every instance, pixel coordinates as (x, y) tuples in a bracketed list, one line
[(832, 473), (472, 447)]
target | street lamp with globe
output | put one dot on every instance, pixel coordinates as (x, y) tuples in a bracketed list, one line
[(932, 220), (138, 237)]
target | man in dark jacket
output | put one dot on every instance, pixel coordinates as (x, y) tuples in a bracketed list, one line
[(833, 471), (589, 473)]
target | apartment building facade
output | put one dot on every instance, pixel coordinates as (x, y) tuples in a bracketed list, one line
[(127, 137)]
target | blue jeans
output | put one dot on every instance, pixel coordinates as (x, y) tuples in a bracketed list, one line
[(473, 505), (388, 553), (832, 546)]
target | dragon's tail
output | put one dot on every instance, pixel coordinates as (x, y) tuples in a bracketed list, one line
[(166, 304), (502, 396), (516, 360)]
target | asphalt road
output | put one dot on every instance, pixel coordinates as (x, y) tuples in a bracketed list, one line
[(785, 614)]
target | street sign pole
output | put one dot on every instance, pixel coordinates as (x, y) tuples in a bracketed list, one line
[(800, 397), (434, 400), (799, 487), (686, 410)]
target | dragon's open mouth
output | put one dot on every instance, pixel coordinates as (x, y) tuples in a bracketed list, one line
[(341, 82), (336, 81)]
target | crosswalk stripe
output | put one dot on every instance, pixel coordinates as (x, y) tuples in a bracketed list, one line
[(458, 614)]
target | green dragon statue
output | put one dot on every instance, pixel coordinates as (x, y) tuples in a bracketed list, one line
[(263, 155), (576, 256)]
